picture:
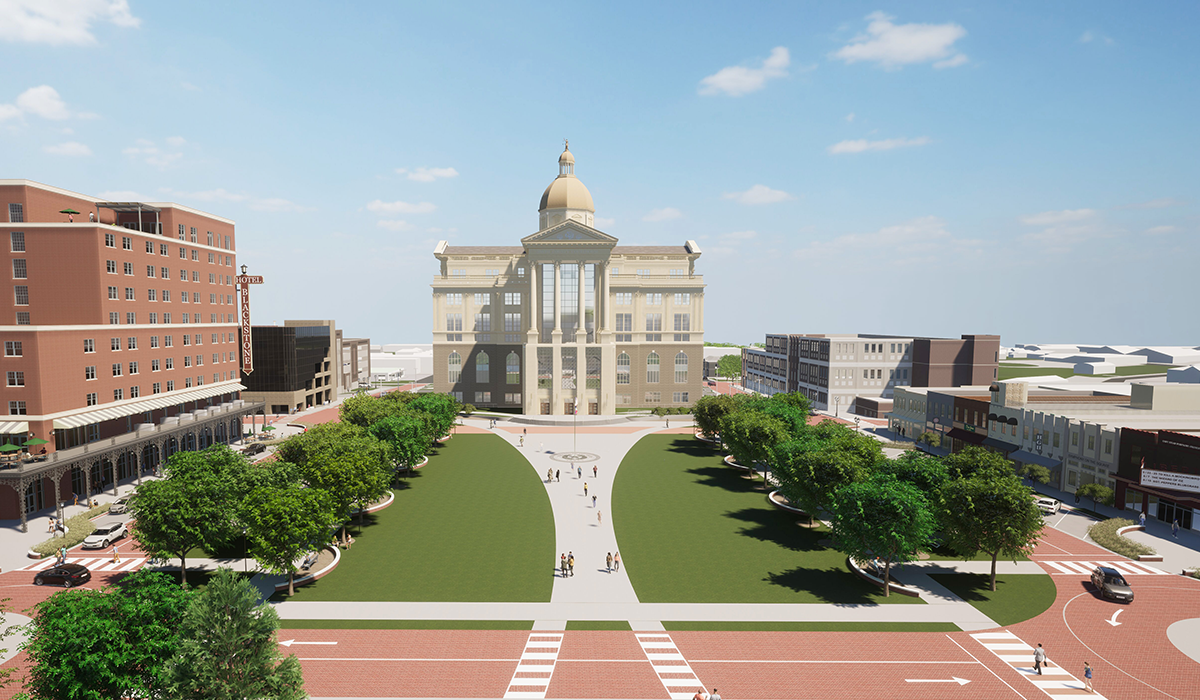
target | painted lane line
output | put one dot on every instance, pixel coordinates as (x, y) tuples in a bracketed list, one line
[(290, 642), (986, 667), (1023, 665), (535, 675), (955, 679), (679, 680)]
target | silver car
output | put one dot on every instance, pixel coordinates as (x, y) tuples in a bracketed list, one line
[(105, 535), (119, 506)]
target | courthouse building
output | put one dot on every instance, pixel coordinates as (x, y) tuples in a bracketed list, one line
[(568, 320)]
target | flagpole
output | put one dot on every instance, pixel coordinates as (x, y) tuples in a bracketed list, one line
[(575, 428)]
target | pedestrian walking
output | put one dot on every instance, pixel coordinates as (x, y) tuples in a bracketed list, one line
[(1175, 529), (617, 561), (1039, 658), (557, 474), (700, 695), (713, 695), (549, 475), (595, 472), (562, 565), (578, 472), (116, 555), (51, 523), (585, 488), (1142, 519), (1087, 677), (668, 422), (522, 443), (62, 555), (599, 520), (571, 563), (608, 562), (593, 500), (524, 431)]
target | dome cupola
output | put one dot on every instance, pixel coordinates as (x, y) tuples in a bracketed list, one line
[(566, 197)]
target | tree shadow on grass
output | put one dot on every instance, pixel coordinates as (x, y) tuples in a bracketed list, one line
[(779, 528), (724, 477), (693, 448), (828, 585), (973, 588)]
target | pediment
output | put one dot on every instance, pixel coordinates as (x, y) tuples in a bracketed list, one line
[(570, 232)]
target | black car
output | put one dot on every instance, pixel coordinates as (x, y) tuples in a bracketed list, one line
[(254, 448), (65, 575), (1112, 584)]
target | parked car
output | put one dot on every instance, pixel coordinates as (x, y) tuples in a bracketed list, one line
[(254, 448), (1112, 584), (65, 575), (105, 535), (119, 506), (1049, 506)]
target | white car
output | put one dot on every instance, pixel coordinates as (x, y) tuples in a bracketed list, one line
[(1048, 506), (105, 535)]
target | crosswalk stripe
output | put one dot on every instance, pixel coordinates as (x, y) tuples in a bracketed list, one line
[(1127, 568), (994, 635), (544, 671), (1137, 567), (1060, 567), (1054, 687), (678, 679)]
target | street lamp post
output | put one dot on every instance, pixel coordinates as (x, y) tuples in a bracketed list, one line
[(837, 401)]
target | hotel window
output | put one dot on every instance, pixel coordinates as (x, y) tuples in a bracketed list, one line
[(512, 398), (131, 343), (653, 327), (1091, 442), (905, 374), (19, 269), (210, 240), (166, 317), (17, 239), (623, 365), (192, 233), (89, 372), (154, 367), (133, 368), (114, 344), (195, 276), (512, 323), (170, 363), (128, 267), (679, 397), (512, 298), (21, 295), (643, 273), (110, 266), (653, 397), (654, 299), (624, 328), (187, 382), (683, 324), (165, 273), (492, 273), (110, 241), (454, 367), (117, 369), (12, 348), (483, 299), (126, 243), (454, 327), (1074, 439), (162, 248), (199, 360), (16, 213), (16, 408), (16, 378), (520, 273), (187, 339), (114, 293), (483, 397), (482, 375), (652, 364), (170, 385), (150, 247), (187, 360), (458, 273), (181, 232), (92, 399), (167, 341), (623, 298), (156, 388), (129, 296), (211, 278), (624, 399), (681, 368), (483, 322)]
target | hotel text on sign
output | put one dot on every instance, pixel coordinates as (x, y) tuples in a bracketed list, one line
[(247, 353)]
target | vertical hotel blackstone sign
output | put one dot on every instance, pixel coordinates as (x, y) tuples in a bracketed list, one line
[(244, 281)]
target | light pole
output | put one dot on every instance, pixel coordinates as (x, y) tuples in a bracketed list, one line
[(857, 420), (837, 401)]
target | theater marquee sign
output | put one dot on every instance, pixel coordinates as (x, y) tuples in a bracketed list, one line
[(1171, 480), (244, 281)]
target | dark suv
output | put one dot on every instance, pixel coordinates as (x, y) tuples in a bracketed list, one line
[(254, 448), (65, 575), (1112, 584)]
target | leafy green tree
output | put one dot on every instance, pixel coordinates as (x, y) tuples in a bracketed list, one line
[(1035, 472), (926, 472), (882, 518), (283, 524), (228, 650), (317, 440), (1097, 492), (363, 410), (931, 438), (825, 458), (111, 643), (989, 512), (977, 460), (195, 505), (407, 437), (729, 366), (441, 410), (345, 461), (709, 410), (751, 435)]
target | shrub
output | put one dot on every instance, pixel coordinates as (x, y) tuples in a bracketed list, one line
[(1105, 534), (78, 527)]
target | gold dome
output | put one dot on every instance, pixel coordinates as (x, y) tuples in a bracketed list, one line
[(566, 192)]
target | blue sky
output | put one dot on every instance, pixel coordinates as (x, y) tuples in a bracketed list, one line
[(1027, 169)]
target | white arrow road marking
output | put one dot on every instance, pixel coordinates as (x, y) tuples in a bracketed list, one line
[(290, 642), (954, 679), (1113, 621)]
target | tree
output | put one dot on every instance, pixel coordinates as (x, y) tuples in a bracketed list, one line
[(931, 438), (196, 505), (440, 409), (227, 647), (925, 472), (1097, 492), (709, 410), (977, 460), (343, 460), (1035, 472), (750, 436), (406, 436), (989, 512), (363, 410), (111, 643), (882, 518), (285, 523), (729, 366)]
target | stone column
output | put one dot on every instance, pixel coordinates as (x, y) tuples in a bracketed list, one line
[(535, 291), (581, 329), (557, 299)]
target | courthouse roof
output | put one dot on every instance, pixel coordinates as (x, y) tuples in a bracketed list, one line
[(484, 250), (650, 250)]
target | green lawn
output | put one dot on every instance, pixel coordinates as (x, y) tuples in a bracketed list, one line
[(1143, 369), (1018, 597), (689, 626), (472, 525), (1013, 372), (692, 530)]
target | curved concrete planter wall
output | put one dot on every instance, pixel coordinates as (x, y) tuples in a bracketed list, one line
[(313, 575), (777, 499), (729, 460), (1138, 528), (872, 578)]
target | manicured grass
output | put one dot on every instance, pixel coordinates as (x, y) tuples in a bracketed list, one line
[(1143, 369), (689, 626), (621, 625), (472, 525), (1018, 597), (692, 530), (406, 624)]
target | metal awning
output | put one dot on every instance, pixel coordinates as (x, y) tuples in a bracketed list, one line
[(127, 206), (967, 435), (1026, 457), (1001, 445), (14, 426), (155, 402)]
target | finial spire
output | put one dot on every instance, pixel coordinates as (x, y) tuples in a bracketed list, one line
[(566, 145)]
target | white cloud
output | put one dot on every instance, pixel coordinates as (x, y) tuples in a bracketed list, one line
[(738, 236), (1159, 230), (60, 22), (914, 241), (9, 112), (736, 81), (1160, 203), (664, 214), (850, 117), (222, 195), (759, 194), (189, 87), (276, 204), (381, 207), (148, 152), (861, 145), (393, 225), (42, 101), (176, 141), (896, 45), (69, 148), (1090, 36), (427, 174), (1051, 218), (602, 222)]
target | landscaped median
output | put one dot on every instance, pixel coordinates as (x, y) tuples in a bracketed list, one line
[(1108, 534), (78, 528)]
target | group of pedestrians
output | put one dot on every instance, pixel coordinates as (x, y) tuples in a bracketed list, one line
[(701, 695), (1040, 660), (566, 564)]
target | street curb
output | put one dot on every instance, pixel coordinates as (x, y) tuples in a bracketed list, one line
[(1138, 528), (777, 504)]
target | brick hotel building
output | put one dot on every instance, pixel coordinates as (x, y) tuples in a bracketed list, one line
[(568, 318), (120, 339)]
